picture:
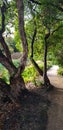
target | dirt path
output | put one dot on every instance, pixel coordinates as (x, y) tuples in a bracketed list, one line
[(55, 79), (55, 111)]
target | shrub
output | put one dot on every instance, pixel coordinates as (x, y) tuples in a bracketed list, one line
[(60, 71), (16, 63), (49, 64), (30, 73), (4, 73)]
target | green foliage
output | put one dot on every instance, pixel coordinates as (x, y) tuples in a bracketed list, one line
[(16, 63), (37, 82), (4, 73), (58, 51), (49, 64), (30, 73), (51, 59), (38, 43), (60, 71), (17, 38)]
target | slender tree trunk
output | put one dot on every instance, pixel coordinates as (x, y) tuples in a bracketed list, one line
[(37, 67), (45, 77), (45, 63), (32, 50)]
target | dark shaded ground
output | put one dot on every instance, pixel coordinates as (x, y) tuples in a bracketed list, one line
[(30, 115), (39, 110)]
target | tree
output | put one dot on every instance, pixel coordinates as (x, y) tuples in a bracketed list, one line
[(17, 85), (49, 16), (33, 41)]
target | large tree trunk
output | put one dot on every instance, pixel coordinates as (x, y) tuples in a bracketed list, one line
[(16, 81), (17, 84)]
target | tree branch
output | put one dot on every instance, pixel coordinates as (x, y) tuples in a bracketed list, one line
[(3, 10), (36, 66), (56, 29), (6, 49), (4, 61), (32, 42), (35, 1), (58, 7), (31, 57)]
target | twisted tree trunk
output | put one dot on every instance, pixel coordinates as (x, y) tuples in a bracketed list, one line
[(45, 77), (17, 84), (32, 51)]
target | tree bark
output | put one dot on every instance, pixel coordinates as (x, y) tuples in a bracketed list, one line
[(17, 84), (45, 64), (36, 66), (20, 7), (8, 65), (32, 50), (6, 49), (45, 77), (5, 88)]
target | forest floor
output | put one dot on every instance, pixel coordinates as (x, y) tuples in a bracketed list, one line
[(38, 110)]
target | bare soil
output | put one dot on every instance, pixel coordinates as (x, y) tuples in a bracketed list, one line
[(30, 114)]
